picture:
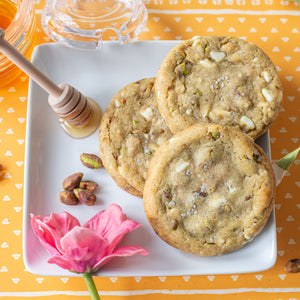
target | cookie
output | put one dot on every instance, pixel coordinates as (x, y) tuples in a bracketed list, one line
[(218, 79), (131, 130), (210, 190)]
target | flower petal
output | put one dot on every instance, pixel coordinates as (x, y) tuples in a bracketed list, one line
[(62, 222), (107, 220), (47, 235), (110, 223), (80, 237), (82, 248), (62, 262), (125, 227), (52, 228), (121, 252)]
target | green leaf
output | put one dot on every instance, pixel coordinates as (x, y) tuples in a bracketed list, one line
[(286, 162)]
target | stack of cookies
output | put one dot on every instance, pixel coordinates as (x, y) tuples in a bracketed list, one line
[(184, 141)]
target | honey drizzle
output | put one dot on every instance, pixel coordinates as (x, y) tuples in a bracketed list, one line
[(87, 130)]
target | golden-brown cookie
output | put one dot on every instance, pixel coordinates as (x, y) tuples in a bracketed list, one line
[(131, 130), (210, 190), (218, 79)]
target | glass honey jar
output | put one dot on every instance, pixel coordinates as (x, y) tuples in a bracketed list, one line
[(17, 18)]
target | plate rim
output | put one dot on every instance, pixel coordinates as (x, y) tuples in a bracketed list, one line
[(27, 159)]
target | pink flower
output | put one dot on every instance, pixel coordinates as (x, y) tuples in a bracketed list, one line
[(85, 249)]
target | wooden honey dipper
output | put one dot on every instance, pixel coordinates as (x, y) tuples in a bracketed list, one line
[(66, 101)]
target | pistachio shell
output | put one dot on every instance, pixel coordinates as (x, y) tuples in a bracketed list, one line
[(72, 181), (91, 161)]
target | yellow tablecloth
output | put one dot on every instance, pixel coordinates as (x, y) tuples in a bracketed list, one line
[(273, 25)]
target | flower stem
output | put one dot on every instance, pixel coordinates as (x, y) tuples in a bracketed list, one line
[(91, 286)]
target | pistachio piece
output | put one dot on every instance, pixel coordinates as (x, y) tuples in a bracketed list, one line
[(183, 68), (292, 266), (72, 181), (215, 134), (68, 198), (88, 185), (239, 91), (91, 161), (85, 196)]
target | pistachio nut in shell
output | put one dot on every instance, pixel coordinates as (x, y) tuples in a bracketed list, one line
[(91, 161), (88, 185), (86, 197), (68, 198), (292, 266), (72, 181)]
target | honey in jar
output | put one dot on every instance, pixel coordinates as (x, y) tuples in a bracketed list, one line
[(8, 10), (17, 18)]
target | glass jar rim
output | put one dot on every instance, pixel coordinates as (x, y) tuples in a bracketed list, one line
[(22, 10), (127, 18)]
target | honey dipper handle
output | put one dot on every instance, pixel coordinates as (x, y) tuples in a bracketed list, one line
[(25, 65)]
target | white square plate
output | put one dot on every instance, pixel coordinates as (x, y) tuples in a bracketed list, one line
[(51, 155)]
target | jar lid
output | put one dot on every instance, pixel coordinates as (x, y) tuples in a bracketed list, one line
[(81, 23)]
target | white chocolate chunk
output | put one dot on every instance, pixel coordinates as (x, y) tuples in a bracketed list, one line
[(218, 113), (206, 63), (197, 43), (217, 56), (217, 202), (267, 95), (147, 114), (188, 111), (160, 140), (196, 37), (248, 236), (231, 188), (235, 57), (180, 87), (172, 140), (228, 47), (247, 123), (266, 76), (117, 103), (182, 166), (220, 241)]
